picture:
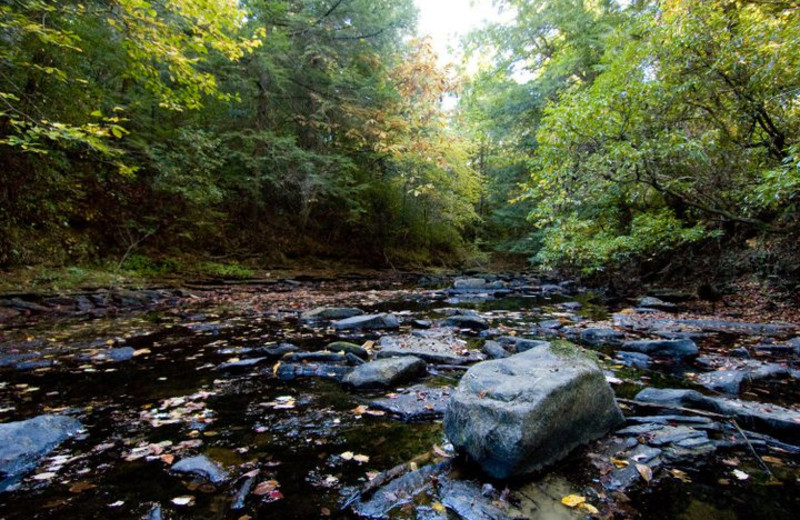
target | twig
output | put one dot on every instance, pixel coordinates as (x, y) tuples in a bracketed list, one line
[(752, 449)]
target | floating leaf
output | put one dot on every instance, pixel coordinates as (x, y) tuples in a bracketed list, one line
[(741, 475), (184, 500), (589, 508), (266, 487), (645, 472), (44, 476), (361, 458), (680, 475), (348, 455)]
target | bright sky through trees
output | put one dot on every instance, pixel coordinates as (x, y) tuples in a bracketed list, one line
[(445, 21)]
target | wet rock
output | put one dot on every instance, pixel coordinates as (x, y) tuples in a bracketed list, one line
[(418, 403), (16, 359), (117, 355), (330, 313), (478, 285), (740, 352), (318, 357), (643, 323), (422, 324), (241, 363), (551, 324), (730, 380), (240, 498), (354, 360), (154, 513), (777, 350), (781, 423), (24, 305), (655, 303), (368, 321), (633, 359), (516, 415), (385, 373), (275, 351), (348, 348), (433, 347), (674, 434), (397, 493), (466, 322), (466, 499), (201, 466), (519, 345), (671, 348), (602, 337), (494, 350), (292, 371), (24, 443)]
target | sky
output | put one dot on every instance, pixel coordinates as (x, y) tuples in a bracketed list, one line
[(447, 20)]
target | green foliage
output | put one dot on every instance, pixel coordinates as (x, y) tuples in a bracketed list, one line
[(230, 270)]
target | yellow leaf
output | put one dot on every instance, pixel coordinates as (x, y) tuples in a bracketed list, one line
[(589, 508), (619, 463), (348, 455), (438, 507), (361, 458), (573, 500), (680, 475)]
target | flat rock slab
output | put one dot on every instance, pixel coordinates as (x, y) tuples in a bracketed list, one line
[(476, 285), (348, 348), (519, 345), (201, 466), (292, 371), (602, 337), (434, 347), (463, 321), (418, 403), (516, 415), (669, 348), (330, 313), (368, 322), (781, 423), (24, 443), (385, 373), (632, 322), (731, 378)]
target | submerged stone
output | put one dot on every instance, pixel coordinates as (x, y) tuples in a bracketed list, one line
[(201, 466), (24, 443), (516, 415)]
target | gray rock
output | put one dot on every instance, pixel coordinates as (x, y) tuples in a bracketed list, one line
[(397, 493), (24, 443), (241, 363), (467, 285), (551, 324), (433, 347), (318, 357), (348, 348), (494, 350), (292, 371), (655, 303), (730, 380), (466, 499), (781, 423), (516, 415), (116, 355), (602, 337), (385, 373), (275, 351), (633, 359), (466, 322), (330, 313), (201, 466), (418, 403), (368, 321), (672, 348), (519, 345)]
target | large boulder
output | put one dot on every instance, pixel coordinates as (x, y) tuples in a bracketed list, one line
[(516, 415), (24, 443), (368, 321), (385, 372)]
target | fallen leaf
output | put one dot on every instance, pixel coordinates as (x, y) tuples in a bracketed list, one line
[(645, 472), (589, 508), (573, 500), (348, 455), (438, 507), (168, 459), (47, 475), (80, 487), (325, 511), (441, 453), (184, 500), (118, 503), (620, 463), (361, 458), (741, 475), (772, 460), (680, 475), (266, 487)]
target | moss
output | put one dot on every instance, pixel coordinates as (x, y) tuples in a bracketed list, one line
[(568, 350)]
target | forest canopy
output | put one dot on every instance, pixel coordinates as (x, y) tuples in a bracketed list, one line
[(598, 134)]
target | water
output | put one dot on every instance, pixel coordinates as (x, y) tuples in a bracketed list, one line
[(118, 469)]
